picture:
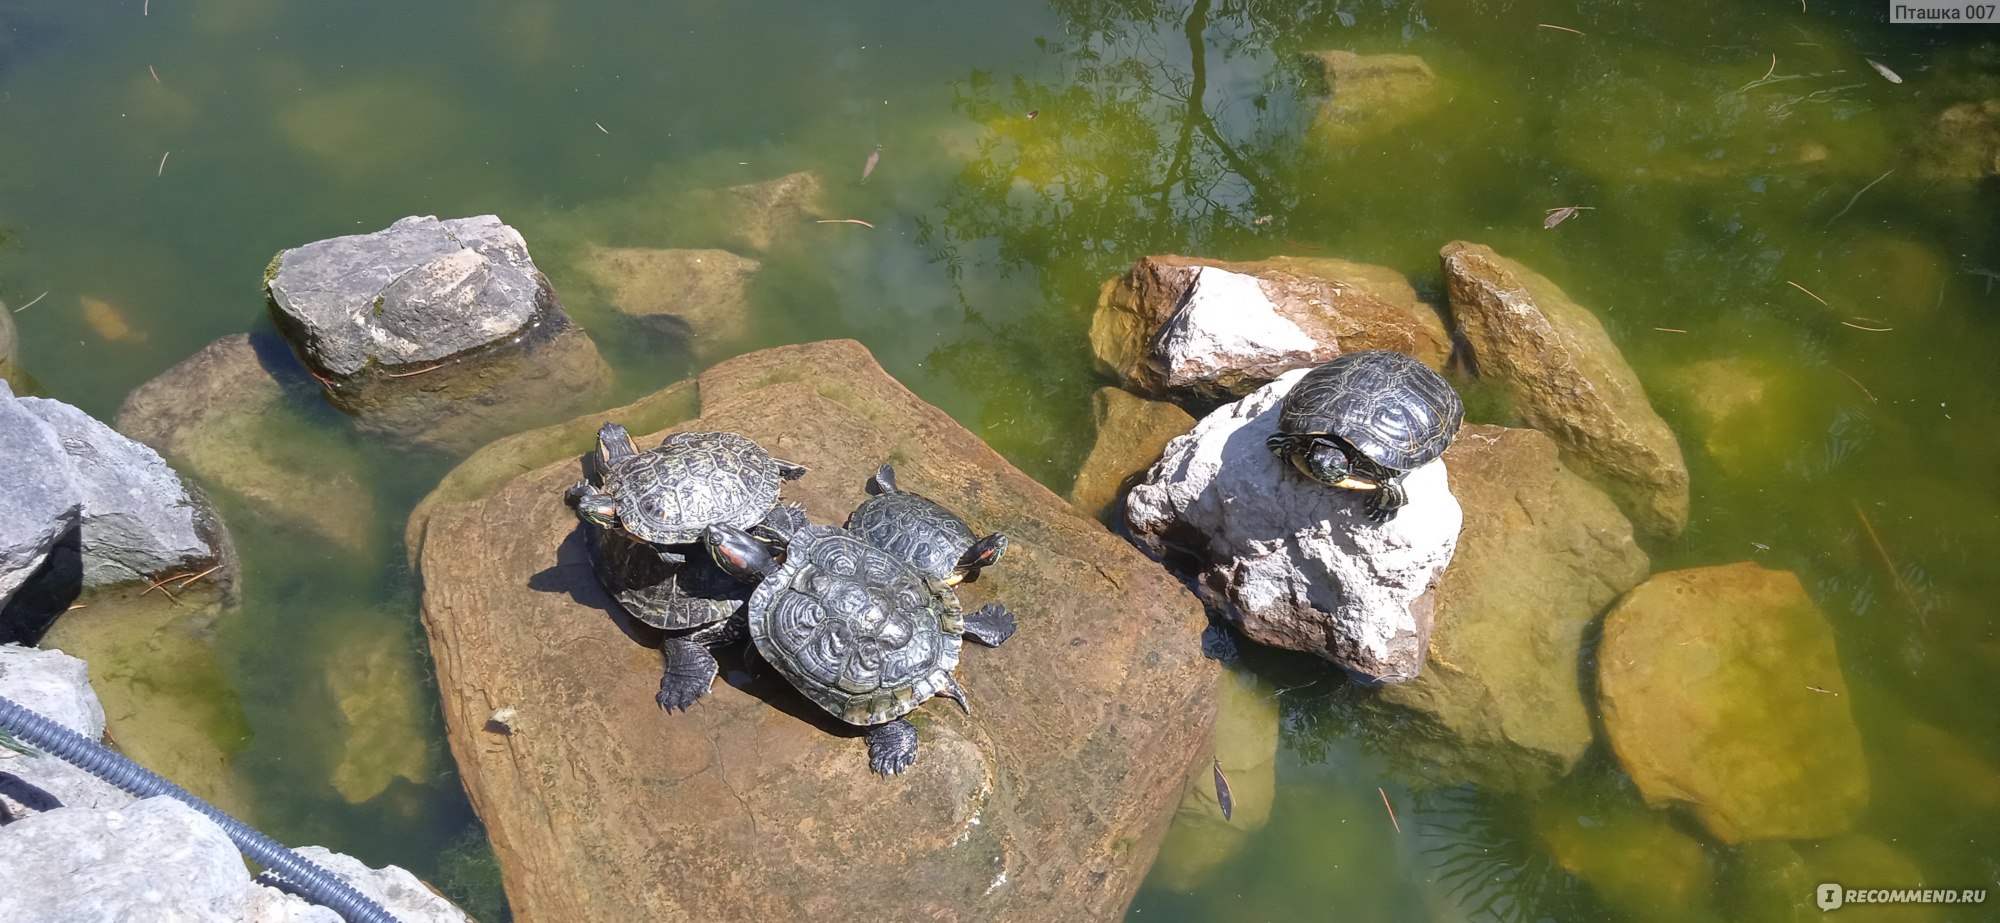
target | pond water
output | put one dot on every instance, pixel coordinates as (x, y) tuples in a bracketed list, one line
[(153, 159)]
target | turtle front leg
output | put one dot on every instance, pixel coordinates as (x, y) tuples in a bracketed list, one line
[(1383, 505), (790, 471), (892, 747), (690, 672), (992, 625)]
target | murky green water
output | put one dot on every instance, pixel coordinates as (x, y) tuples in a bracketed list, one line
[(1159, 128)]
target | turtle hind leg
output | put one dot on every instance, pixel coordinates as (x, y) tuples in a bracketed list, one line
[(991, 625), (892, 747), (884, 481), (690, 672)]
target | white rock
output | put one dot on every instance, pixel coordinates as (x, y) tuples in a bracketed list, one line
[(57, 687), (155, 859), (398, 891), (1297, 564), (1227, 323)]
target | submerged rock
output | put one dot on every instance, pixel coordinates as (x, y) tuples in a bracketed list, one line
[(1367, 95), (10, 343), (1047, 804), (1294, 562), (1246, 746), (225, 415), (1131, 432), (1963, 144), (381, 698), (759, 215), (699, 298), (1564, 376), (57, 687), (439, 333), (1542, 552), (1635, 860), (1720, 687), (1771, 876), (159, 859), (1206, 330)]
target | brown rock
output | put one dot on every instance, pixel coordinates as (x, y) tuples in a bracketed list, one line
[(1131, 431), (1246, 747), (698, 297), (1565, 377), (222, 415), (1370, 94), (381, 699), (1324, 307), (1540, 554), (1720, 687), (1047, 805)]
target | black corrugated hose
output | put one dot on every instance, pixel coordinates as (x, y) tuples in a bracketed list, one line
[(307, 879)]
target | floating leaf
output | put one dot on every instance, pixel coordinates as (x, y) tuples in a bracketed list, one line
[(1222, 795), (1882, 69), (1560, 215)]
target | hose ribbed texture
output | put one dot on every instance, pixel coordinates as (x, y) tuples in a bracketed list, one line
[(309, 880)]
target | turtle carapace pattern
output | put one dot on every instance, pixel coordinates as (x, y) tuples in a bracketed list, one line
[(922, 532), (665, 496), (1365, 419), (855, 628)]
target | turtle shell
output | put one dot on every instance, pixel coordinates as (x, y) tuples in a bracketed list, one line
[(667, 495), (1390, 407), (854, 627), (659, 594), (915, 529)]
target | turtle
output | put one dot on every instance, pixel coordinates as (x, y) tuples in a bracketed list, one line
[(1365, 419), (855, 628), (922, 532), (667, 495), (700, 606)]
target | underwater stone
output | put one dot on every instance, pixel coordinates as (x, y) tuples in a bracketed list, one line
[(759, 215), (1297, 564), (696, 297), (1047, 804), (1562, 374), (1370, 94), (1246, 746), (1720, 687), (1206, 330), (1963, 144)]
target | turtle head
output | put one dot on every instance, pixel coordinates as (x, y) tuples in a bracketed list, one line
[(983, 552), (738, 553), (595, 508), (1327, 462)]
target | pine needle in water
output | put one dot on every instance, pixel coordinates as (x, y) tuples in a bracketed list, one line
[(844, 221), (1550, 25), (1392, 809), (31, 303), (1807, 291)]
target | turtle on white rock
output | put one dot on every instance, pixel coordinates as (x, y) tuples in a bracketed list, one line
[(1294, 562)]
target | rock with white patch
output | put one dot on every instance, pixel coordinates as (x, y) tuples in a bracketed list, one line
[(1295, 563), (1205, 331)]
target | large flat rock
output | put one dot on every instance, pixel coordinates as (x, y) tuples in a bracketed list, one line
[(1047, 804)]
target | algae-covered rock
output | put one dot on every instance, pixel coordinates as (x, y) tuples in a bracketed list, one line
[(1635, 860), (1963, 144), (167, 700), (1246, 747), (697, 298), (1540, 554), (1720, 688), (1367, 95), (760, 215), (1131, 431), (1186, 328), (226, 415), (1779, 882), (1562, 374), (376, 687), (1048, 803)]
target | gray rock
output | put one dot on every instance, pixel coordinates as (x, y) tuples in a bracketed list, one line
[(40, 502), (56, 686), (155, 859), (438, 334), (158, 859), (140, 521), (1297, 564), (420, 291)]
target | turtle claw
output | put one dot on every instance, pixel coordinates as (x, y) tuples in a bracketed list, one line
[(690, 672), (892, 747)]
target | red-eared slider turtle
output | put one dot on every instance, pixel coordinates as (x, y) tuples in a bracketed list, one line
[(921, 532), (656, 574), (666, 496), (857, 629), (1365, 419)]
